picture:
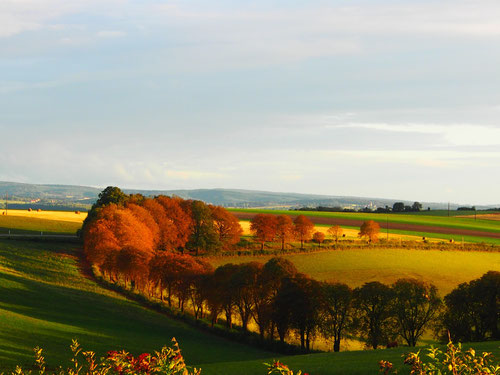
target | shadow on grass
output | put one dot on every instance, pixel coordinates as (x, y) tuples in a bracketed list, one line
[(37, 313)]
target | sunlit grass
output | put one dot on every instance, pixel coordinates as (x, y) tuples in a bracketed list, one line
[(46, 302)]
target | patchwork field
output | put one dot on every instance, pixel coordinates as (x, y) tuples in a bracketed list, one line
[(472, 230), (46, 301)]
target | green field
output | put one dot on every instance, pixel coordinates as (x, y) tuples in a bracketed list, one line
[(417, 219), (445, 269), (45, 301)]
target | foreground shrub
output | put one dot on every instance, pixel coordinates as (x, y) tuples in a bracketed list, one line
[(453, 361), (168, 361)]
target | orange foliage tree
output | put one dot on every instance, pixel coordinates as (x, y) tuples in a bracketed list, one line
[(168, 231), (335, 231), (284, 229), (264, 227), (183, 222), (319, 237), (113, 229), (369, 229), (303, 229), (227, 226)]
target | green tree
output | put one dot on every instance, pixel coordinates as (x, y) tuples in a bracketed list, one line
[(398, 207), (416, 306), (337, 312), (372, 302), (204, 234)]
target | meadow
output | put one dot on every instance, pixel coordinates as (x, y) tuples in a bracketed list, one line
[(34, 222), (445, 269), (46, 301)]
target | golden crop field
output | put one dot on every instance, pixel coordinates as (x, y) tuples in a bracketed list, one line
[(70, 216)]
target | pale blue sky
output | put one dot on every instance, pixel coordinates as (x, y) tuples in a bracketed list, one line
[(394, 99)]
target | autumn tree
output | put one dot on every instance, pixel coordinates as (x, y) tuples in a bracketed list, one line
[(223, 276), (227, 226), (415, 307), (336, 232), (337, 312), (284, 229), (318, 237), (145, 217), (372, 303), (303, 229), (110, 195), (182, 221), (132, 263), (167, 228), (113, 229), (199, 286), (369, 229), (264, 227), (204, 235)]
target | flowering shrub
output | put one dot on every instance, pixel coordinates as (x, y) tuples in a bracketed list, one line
[(278, 368), (168, 361), (454, 361)]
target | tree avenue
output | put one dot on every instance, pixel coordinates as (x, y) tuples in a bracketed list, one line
[(135, 242)]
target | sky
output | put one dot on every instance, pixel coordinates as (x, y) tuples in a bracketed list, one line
[(377, 98)]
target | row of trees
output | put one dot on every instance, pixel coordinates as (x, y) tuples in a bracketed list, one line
[(121, 227), (281, 301), (269, 228)]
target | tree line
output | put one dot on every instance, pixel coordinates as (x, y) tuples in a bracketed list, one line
[(140, 243)]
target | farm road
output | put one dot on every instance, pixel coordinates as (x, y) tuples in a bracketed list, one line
[(383, 225)]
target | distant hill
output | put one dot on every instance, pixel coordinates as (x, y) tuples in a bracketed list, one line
[(82, 197)]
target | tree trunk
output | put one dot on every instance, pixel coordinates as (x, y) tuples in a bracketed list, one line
[(336, 345)]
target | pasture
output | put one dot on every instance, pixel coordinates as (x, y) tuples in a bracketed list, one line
[(45, 301), (445, 269)]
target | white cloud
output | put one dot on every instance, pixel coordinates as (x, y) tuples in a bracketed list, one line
[(453, 134)]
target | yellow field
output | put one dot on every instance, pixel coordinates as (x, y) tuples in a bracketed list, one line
[(69, 216)]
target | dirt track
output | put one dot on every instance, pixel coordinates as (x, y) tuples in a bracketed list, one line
[(383, 225)]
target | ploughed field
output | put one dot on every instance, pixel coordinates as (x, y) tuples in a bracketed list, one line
[(468, 227)]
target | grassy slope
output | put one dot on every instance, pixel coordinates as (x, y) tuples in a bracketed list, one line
[(352, 363), (45, 301), (445, 269), (420, 219)]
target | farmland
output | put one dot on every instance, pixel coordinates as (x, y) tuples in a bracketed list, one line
[(479, 230), (46, 301), (445, 269), (48, 222)]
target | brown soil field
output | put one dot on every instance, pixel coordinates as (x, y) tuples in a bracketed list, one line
[(397, 226)]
